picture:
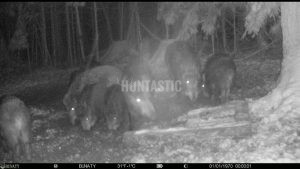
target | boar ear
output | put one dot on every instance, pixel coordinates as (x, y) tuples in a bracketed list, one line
[(66, 99)]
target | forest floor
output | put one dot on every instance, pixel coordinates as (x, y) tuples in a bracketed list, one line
[(56, 140)]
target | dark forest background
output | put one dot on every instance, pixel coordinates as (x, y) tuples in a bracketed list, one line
[(59, 34)]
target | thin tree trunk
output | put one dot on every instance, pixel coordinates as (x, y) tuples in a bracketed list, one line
[(61, 52), (31, 45), (73, 31), (70, 56), (95, 50), (131, 27), (36, 42), (213, 43), (107, 22), (58, 45), (224, 32), (29, 62), (130, 24), (217, 41), (96, 32), (138, 25), (121, 10), (53, 32), (79, 33), (194, 42), (167, 31), (34, 47), (234, 31), (44, 35)]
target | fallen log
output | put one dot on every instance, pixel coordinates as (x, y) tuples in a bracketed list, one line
[(226, 121)]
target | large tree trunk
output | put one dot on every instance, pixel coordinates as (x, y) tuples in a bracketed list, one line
[(284, 101)]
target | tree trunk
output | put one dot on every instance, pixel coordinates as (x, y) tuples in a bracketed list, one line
[(96, 30), (61, 52), (28, 57), (234, 31), (53, 32), (213, 43), (132, 33), (79, 33), (138, 25), (35, 46), (284, 100), (121, 10), (95, 50), (70, 56), (217, 41), (224, 32), (73, 31), (107, 23), (32, 45), (130, 26), (167, 31), (44, 35)]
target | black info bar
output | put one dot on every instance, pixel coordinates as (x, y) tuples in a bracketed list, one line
[(144, 165)]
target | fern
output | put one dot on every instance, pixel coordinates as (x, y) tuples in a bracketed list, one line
[(191, 14), (259, 11)]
